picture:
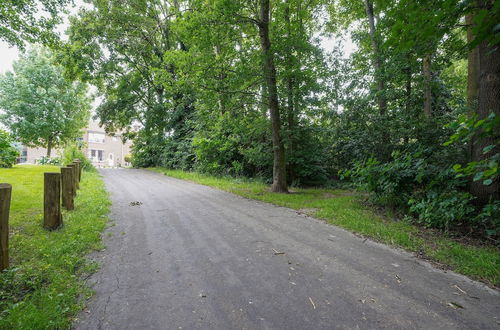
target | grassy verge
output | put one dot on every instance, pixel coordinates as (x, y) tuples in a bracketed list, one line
[(43, 287), (342, 208)]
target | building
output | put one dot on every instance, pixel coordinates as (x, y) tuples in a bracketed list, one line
[(102, 150)]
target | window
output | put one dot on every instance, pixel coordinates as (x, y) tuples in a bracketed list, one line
[(96, 155), (96, 137)]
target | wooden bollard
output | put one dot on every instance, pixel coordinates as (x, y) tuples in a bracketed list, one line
[(75, 173), (52, 217), (5, 196), (67, 185), (79, 162), (77, 170)]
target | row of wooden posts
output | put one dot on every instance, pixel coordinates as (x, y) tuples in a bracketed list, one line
[(57, 187)]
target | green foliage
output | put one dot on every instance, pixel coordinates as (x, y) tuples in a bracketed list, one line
[(42, 109), (30, 21), (489, 219), (74, 151), (443, 210), (468, 129), (44, 160), (44, 286), (8, 154)]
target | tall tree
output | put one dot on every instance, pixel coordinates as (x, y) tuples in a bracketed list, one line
[(427, 73), (42, 108), (377, 58), (485, 72), (269, 69), (31, 21)]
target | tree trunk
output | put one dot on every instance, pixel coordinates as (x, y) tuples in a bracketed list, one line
[(488, 101), (49, 147), (377, 60), (269, 69), (290, 60), (427, 73), (472, 80), (472, 68), (408, 88)]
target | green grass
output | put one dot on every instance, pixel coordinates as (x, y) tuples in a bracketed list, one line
[(342, 208), (44, 285)]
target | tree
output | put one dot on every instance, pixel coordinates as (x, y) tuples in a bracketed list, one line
[(31, 21), (484, 90), (377, 58), (8, 153), (42, 108), (269, 69)]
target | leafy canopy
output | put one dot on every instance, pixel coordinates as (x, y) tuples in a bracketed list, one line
[(41, 108)]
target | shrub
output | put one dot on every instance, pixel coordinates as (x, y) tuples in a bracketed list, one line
[(489, 219), (44, 160), (74, 151), (469, 128), (443, 210), (8, 154), (417, 183)]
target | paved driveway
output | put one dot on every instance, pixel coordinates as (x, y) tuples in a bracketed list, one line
[(182, 255)]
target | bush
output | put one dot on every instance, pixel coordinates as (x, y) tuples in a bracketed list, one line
[(489, 219), (74, 151), (44, 160), (8, 154), (443, 210)]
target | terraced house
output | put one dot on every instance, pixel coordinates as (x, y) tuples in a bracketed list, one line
[(102, 149)]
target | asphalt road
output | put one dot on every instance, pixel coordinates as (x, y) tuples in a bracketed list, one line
[(185, 256)]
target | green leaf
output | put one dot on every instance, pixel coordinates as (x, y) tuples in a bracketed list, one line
[(487, 182), (488, 148), (478, 176)]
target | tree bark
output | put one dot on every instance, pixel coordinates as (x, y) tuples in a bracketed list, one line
[(49, 147), (427, 73), (408, 88), (269, 69), (290, 60), (377, 59), (472, 68), (488, 101), (472, 81)]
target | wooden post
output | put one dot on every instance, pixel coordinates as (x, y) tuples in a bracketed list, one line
[(52, 218), (77, 171), (5, 195), (67, 188), (79, 162), (74, 171)]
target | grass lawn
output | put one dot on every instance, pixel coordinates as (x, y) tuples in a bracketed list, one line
[(342, 208), (44, 285)]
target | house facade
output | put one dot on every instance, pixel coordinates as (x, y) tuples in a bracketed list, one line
[(102, 150)]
